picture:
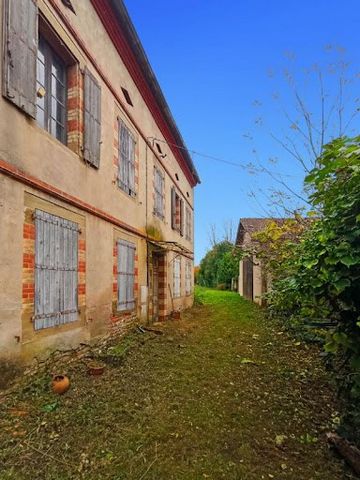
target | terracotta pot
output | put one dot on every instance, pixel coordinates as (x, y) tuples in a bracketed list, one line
[(60, 384), (96, 369), (176, 315)]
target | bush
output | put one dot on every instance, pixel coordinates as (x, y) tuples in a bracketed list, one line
[(320, 280)]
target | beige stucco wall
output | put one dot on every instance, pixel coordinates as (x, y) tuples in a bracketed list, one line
[(25, 145)]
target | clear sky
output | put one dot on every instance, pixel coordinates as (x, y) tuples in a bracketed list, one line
[(221, 66)]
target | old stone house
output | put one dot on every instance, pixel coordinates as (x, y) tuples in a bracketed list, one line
[(96, 185)]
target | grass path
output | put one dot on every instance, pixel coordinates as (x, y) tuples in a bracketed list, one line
[(220, 395)]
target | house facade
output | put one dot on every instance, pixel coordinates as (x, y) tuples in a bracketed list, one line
[(96, 185)]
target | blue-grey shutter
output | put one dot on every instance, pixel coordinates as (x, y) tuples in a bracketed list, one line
[(123, 157), (131, 276), (173, 208), (92, 119), (182, 217), (126, 275), (131, 165), (56, 267), (20, 52)]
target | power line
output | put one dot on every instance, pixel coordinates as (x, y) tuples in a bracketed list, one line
[(249, 166)]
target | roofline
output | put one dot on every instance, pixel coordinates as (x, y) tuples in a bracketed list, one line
[(121, 30)]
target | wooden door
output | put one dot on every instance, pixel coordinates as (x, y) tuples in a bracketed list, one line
[(248, 277)]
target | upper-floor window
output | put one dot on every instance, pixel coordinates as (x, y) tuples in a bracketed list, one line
[(188, 224), (159, 201), (43, 79), (126, 175), (51, 91), (177, 212)]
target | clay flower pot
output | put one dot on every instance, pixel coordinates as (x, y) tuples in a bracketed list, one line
[(60, 384), (96, 369)]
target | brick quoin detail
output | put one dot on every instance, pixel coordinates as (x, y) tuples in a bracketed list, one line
[(75, 108), (28, 274), (81, 272)]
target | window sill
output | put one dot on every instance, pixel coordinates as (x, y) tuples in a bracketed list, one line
[(133, 197)]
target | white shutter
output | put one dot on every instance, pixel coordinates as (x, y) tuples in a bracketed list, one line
[(21, 41)]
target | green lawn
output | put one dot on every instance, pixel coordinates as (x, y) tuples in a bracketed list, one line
[(222, 394)]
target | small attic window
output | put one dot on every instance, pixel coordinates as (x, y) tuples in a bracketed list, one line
[(158, 148), (187, 194), (127, 96), (176, 176)]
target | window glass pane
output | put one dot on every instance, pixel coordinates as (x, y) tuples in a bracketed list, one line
[(51, 76), (40, 114)]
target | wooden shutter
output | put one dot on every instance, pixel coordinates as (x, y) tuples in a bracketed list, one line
[(92, 119), (56, 267), (126, 275), (182, 217), (177, 277), (21, 41), (131, 165), (173, 208)]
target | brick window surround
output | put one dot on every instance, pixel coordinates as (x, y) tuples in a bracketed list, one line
[(28, 274)]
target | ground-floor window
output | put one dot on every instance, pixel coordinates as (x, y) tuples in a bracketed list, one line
[(56, 270), (126, 275), (177, 277), (188, 277)]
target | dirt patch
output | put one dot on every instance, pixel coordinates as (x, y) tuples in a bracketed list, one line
[(220, 394)]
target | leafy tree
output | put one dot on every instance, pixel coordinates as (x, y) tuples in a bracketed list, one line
[(219, 266)]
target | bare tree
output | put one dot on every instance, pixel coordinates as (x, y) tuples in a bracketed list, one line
[(323, 105)]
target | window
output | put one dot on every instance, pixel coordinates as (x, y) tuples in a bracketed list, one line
[(159, 182), (56, 270), (177, 277), (127, 96), (126, 176), (188, 224), (177, 212), (188, 277), (126, 275), (51, 91)]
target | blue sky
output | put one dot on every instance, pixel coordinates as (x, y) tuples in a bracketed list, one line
[(221, 67)]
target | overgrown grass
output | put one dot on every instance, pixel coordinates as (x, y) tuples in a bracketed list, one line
[(221, 394)]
